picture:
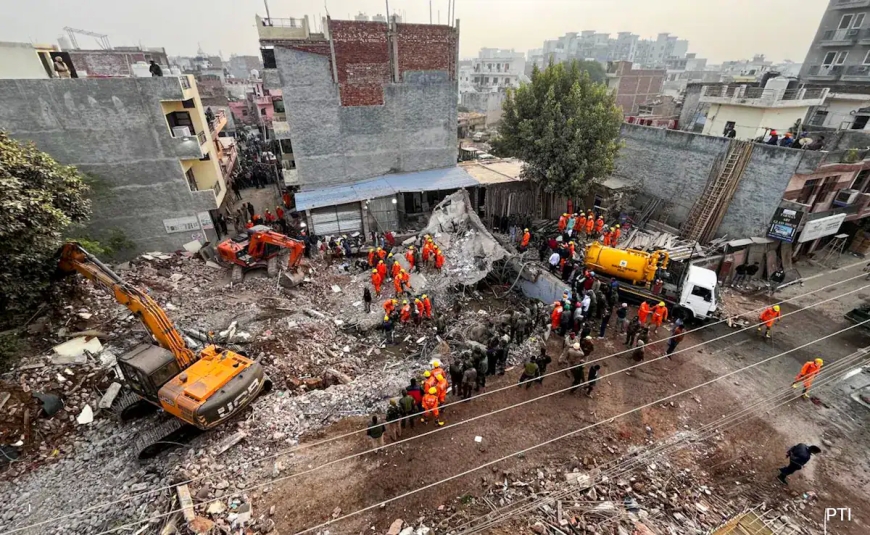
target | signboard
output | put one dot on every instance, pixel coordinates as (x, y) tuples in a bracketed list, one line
[(784, 224), (205, 220), (821, 227), (181, 224)]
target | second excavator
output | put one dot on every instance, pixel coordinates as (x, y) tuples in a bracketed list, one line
[(200, 390), (262, 247)]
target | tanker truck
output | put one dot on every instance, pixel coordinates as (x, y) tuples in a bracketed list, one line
[(689, 291)]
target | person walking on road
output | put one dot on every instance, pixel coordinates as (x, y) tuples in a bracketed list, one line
[(769, 318), (408, 406), (677, 336), (659, 315), (367, 300), (531, 371), (622, 318), (593, 379), (376, 433), (575, 359), (394, 425), (808, 373), (543, 360), (631, 331), (798, 456)]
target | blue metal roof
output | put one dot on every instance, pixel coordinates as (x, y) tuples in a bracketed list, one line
[(383, 186)]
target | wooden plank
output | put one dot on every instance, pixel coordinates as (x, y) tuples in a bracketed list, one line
[(186, 502), (771, 263), (785, 255)]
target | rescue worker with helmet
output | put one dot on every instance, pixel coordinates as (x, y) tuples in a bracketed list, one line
[(430, 406), (659, 315), (808, 373), (769, 318)]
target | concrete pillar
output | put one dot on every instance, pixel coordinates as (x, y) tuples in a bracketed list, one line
[(364, 210)]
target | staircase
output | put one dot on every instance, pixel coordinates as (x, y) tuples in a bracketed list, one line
[(708, 211)]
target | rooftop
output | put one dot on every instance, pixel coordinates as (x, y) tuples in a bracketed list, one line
[(743, 95)]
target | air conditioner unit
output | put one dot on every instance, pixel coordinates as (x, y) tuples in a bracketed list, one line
[(181, 131), (852, 33), (846, 197)]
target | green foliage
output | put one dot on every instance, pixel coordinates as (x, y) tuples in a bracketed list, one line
[(39, 199), (106, 246), (851, 156), (596, 71), (563, 126)]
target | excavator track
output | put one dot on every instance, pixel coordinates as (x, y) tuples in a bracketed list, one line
[(165, 435), (238, 274), (129, 406), (272, 266)]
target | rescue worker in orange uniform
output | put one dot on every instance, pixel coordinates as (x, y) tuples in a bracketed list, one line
[(643, 312), (769, 317), (439, 259), (524, 243), (556, 315), (580, 223), (599, 225), (372, 257), (441, 385), (427, 306), (396, 269), (606, 238), (409, 256), (430, 406), (381, 253), (426, 251), (390, 306), (376, 282), (419, 306), (614, 238), (563, 222), (397, 283), (808, 373), (590, 224), (382, 270), (659, 315), (405, 314), (249, 224), (436, 368), (406, 280), (428, 381)]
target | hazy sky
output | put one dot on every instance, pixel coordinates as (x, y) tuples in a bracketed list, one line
[(716, 29)]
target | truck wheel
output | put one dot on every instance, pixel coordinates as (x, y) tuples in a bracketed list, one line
[(684, 314)]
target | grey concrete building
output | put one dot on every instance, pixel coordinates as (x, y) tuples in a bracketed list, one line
[(839, 56), (144, 142)]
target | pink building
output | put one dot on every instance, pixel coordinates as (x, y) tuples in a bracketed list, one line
[(633, 87)]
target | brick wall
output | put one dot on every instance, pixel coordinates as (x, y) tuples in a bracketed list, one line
[(424, 47), (362, 58), (110, 63)]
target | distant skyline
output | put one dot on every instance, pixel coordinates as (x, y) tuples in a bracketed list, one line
[(719, 30)]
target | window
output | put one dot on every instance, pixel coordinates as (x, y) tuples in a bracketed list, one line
[(867, 58), (841, 57), (191, 180), (819, 117), (861, 181), (704, 293), (829, 58), (845, 22), (859, 20), (808, 190), (263, 111)]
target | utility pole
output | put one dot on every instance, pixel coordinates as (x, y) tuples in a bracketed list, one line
[(268, 16)]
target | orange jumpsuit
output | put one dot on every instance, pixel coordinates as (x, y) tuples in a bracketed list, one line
[(406, 280), (590, 225), (442, 387), (427, 307), (409, 256), (430, 406), (420, 308), (396, 269), (372, 258), (382, 270), (427, 248), (389, 307), (397, 284), (769, 317), (659, 314), (382, 254), (376, 282), (439, 260), (249, 225), (607, 239), (556, 317), (599, 225), (615, 238), (808, 373), (571, 250), (526, 238), (580, 223), (405, 314), (643, 312), (563, 222)]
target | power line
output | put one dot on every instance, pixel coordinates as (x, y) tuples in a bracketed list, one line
[(566, 435), (626, 465), (420, 489), (513, 385)]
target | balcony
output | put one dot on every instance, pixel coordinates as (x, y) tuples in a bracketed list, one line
[(856, 73), (218, 124), (741, 95), (840, 38), (272, 29), (227, 155), (824, 73), (849, 4)]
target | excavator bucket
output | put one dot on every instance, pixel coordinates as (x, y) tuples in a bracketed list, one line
[(289, 279)]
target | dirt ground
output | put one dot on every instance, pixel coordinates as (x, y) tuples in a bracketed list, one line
[(747, 455)]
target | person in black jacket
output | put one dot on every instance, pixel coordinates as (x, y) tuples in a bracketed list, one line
[(740, 275), (798, 456), (776, 280)]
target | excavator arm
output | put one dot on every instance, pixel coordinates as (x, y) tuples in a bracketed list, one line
[(261, 239), (74, 258)]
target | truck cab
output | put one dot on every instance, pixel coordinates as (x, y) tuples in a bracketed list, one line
[(699, 297)]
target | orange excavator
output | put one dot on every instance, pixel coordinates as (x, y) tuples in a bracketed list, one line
[(261, 247), (201, 390)]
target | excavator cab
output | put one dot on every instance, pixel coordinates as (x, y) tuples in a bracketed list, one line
[(147, 368)]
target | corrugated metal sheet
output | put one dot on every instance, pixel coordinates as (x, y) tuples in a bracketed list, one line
[(383, 214), (335, 220), (431, 180)]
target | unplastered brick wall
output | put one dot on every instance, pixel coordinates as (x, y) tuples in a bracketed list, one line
[(362, 58), (424, 47), (110, 63)]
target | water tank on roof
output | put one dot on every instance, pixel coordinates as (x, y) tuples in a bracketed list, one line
[(63, 43), (778, 83)]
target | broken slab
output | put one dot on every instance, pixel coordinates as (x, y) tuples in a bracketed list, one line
[(201, 525), (396, 527), (186, 502), (230, 441), (109, 396), (76, 348), (86, 416)]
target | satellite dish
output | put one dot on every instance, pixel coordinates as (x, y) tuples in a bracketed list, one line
[(804, 141)]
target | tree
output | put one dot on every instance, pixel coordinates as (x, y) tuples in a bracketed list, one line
[(595, 70), (39, 200), (563, 126)]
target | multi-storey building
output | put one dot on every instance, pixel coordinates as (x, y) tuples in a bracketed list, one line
[(839, 56), (495, 69), (162, 174), (592, 45)]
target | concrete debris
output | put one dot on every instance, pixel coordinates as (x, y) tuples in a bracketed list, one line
[(396, 527), (186, 502), (109, 396), (78, 347), (201, 526), (216, 508), (86, 416), (193, 246), (230, 441), (213, 265)]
